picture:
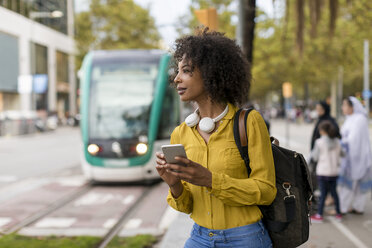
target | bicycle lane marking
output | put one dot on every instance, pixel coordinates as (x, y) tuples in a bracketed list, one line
[(342, 228)]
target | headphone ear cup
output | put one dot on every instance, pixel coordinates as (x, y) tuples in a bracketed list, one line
[(207, 124), (192, 119)]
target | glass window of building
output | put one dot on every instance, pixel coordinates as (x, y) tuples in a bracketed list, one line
[(63, 86), (52, 13), (39, 70)]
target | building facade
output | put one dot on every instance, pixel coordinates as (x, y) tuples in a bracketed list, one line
[(37, 71)]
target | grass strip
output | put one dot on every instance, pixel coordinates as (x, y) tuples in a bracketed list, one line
[(19, 241)]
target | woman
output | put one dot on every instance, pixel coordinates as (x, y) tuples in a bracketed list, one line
[(323, 110), (213, 186), (355, 176)]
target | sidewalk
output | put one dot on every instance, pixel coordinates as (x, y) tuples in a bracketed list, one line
[(178, 232)]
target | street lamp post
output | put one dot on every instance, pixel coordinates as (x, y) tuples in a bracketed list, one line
[(366, 91), (287, 94)]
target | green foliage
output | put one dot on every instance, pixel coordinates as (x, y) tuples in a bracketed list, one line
[(224, 12), (18, 241), (277, 59), (114, 24), (139, 241)]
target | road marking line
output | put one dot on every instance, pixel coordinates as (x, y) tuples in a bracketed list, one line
[(109, 223), (168, 217), (4, 221), (94, 198), (71, 181), (8, 178), (60, 222), (347, 233), (133, 224), (129, 199), (88, 199)]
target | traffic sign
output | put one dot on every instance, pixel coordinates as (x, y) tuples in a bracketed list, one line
[(287, 90), (367, 94)]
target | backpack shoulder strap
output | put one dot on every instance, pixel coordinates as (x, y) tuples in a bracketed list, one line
[(240, 135)]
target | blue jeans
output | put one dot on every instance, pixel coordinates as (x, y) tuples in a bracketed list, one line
[(327, 184), (250, 236)]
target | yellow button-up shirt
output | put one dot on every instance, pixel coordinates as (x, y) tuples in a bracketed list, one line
[(232, 201)]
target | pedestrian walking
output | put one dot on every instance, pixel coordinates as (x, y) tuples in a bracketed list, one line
[(355, 176), (214, 187), (327, 151)]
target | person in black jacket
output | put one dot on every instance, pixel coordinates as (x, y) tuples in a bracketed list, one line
[(323, 110)]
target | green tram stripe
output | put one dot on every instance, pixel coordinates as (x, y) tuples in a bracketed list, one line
[(84, 90)]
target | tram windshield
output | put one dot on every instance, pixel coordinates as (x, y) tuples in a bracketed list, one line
[(120, 100)]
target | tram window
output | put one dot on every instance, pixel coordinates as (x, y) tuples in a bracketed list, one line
[(170, 114)]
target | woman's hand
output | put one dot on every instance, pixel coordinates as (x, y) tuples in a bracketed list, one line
[(193, 173), (163, 172)]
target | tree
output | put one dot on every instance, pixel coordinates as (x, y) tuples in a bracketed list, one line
[(248, 26), (277, 60), (188, 22), (315, 9), (114, 24)]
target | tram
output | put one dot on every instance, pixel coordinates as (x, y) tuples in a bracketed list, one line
[(128, 110)]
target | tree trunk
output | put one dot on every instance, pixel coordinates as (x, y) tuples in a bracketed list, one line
[(300, 26), (333, 6), (248, 23)]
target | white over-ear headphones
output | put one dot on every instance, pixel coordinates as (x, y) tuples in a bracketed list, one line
[(206, 124)]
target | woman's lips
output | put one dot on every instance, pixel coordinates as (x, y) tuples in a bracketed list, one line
[(180, 90)]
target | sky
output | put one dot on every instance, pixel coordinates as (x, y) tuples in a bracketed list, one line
[(166, 13)]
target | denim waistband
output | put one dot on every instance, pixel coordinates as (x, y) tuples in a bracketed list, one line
[(236, 231)]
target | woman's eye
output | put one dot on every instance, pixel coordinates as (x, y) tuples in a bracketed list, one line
[(186, 71)]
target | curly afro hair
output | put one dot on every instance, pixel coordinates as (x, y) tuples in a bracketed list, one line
[(224, 68)]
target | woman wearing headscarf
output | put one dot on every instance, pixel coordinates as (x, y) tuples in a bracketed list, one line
[(356, 167), (323, 110)]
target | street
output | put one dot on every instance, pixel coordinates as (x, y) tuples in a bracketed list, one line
[(38, 154), (42, 192)]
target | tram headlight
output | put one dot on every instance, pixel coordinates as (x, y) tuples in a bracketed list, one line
[(93, 149), (141, 148)]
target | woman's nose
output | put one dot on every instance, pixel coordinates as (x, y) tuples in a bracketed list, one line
[(177, 79)]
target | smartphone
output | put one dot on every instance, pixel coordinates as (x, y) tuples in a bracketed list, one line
[(172, 151)]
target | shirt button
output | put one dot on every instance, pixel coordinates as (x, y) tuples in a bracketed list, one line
[(209, 213)]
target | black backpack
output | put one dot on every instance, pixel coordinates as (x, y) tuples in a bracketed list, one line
[(287, 218)]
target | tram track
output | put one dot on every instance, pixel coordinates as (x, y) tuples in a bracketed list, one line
[(51, 208), (27, 225), (124, 218)]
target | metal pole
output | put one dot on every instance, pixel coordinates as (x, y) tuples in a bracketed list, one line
[(333, 98), (287, 116), (340, 90), (240, 28), (366, 74)]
